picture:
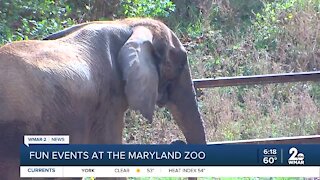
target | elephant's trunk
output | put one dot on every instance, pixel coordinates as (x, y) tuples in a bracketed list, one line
[(183, 106)]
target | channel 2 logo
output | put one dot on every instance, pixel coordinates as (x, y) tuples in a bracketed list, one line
[(296, 158)]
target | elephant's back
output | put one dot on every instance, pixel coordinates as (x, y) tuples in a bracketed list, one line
[(37, 52)]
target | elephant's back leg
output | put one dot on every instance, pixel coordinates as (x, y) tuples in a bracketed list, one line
[(11, 137), (9, 168), (18, 112)]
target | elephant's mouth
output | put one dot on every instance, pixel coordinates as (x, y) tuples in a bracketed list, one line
[(162, 98), (163, 94), (162, 101)]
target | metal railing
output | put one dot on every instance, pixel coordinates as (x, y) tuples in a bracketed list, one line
[(258, 79)]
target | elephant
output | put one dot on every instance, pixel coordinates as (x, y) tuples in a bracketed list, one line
[(81, 80)]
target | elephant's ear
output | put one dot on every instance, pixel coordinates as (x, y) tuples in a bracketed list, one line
[(137, 62)]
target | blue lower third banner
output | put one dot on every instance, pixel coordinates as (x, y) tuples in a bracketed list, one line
[(170, 155)]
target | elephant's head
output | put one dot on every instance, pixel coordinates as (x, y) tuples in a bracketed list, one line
[(155, 68)]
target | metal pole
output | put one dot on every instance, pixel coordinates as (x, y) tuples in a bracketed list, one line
[(258, 79)]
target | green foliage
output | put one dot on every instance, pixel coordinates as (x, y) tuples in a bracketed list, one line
[(315, 93), (193, 26), (22, 20), (237, 14), (268, 23), (147, 8)]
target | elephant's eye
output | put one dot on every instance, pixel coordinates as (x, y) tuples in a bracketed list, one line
[(181, 67)]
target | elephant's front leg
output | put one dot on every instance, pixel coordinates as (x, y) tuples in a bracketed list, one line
[(107, 130)]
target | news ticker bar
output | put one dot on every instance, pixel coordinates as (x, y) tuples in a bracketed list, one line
[(167, 171), (170, 155)]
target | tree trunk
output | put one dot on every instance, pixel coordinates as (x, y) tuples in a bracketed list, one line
[(104, 9)]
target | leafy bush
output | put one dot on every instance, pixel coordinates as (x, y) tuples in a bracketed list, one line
[(147, 8), (22, 20), (192, 25), (231, 15), (267, 23)]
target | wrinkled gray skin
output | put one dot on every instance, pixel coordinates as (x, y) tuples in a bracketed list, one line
[(80, 81)]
